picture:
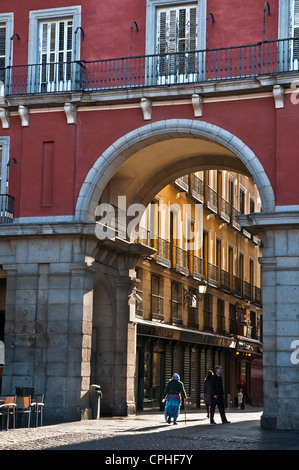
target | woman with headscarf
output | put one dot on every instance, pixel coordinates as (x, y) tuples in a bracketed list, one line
[(173, 392)]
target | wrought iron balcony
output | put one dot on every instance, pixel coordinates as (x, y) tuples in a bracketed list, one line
[(6, 208), (227, 63)]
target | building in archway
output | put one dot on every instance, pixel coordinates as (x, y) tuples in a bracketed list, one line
[(177, 328), (107, 99)]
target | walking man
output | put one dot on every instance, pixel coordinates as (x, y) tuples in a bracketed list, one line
[(217, 396)]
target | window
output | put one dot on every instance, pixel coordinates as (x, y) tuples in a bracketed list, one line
[(176, 303), (220, 316), (193, 310), (54, 45), (6, 43), (175, 29), (56, 54), (232, 319), (242, 201), (288, 27), (2, 51), (4, 156), (139, 290), (6, 201), (208, 312), (157, 298), (252, 204), (230, 266), (294, 32), (176, 33)]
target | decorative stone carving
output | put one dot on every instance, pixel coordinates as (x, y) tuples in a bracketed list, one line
[(197, 104), (71, 113), (24, 115), (5, 118), (278, 93), (2, 92), (146, 106)]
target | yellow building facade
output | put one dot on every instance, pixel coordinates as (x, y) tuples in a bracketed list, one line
[(192, 225)]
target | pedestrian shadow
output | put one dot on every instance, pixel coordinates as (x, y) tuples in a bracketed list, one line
[(164, 425)]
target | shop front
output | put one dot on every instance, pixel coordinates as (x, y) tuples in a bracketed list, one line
[(249, 368), (164, 349)]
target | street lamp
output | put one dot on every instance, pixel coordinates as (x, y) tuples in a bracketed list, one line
[(189, 297)]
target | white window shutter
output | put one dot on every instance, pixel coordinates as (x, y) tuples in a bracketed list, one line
[(176, 30), (2, 47), (296, 28)]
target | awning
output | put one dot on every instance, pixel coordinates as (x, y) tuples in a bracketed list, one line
[(171, 332)]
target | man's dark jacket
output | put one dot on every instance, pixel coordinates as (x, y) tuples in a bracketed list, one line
[(217, 388)]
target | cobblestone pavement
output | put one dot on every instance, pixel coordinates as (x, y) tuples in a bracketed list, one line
[(148, 431)]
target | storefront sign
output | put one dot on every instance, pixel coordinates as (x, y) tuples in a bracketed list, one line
[(195, 337)]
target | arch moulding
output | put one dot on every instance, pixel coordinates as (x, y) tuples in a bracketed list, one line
[(122, 149)]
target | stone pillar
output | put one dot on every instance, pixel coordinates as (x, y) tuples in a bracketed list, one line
[(48, 325), (280, 267), (125, 358), (116, 261)]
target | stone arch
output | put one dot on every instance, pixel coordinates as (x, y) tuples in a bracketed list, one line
[(156, 133)]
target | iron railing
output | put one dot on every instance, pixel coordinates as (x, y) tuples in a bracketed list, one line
[(227, 63), (6, 208)]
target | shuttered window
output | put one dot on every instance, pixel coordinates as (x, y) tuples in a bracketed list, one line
[(2, 51), (176, 29), (294, 32), (56, 50), (176, 303), (176, 32), (157, 298), (1, 167)]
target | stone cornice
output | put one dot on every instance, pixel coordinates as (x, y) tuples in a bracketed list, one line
[(258, 222), (47, 229), (260, 84)]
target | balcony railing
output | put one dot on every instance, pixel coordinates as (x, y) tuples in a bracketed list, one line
[(182, 261), (6, 208), (228, 63)]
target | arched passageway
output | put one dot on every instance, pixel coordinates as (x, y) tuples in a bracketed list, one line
[(140, 164)]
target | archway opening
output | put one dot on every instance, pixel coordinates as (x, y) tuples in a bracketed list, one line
[(212, 171)]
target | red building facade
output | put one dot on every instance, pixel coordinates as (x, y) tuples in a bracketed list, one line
[(87, 91)]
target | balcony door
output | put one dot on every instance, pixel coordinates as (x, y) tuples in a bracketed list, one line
[(176, 43), (294, 33), (56, 54)]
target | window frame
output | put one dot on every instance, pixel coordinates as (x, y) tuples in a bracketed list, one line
[(151, 22), (52, 14), (8, 20), (5, 144)]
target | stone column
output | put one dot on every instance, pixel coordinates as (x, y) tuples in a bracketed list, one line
[(48, 324), (125, 365), (280, 267), (117, 260)]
